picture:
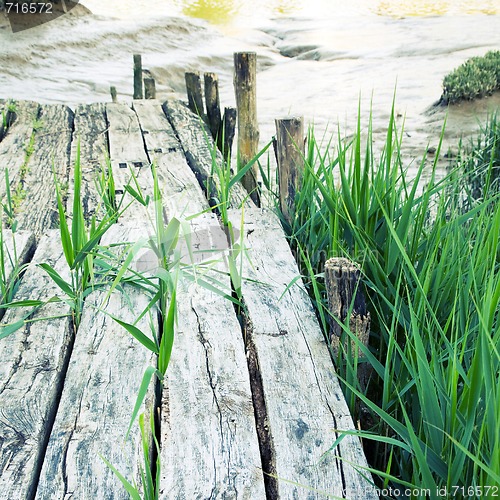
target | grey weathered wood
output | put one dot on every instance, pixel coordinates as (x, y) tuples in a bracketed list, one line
[(90, 135), (114, 95), (102, 382), (194, 94), (212, 101), (138, 76), (229, 129), (208, 425), (208, 367), (149, 88), (290, 155), (17, 249), (127, 153), (181, 193), (245, 86), (33, 362), (198, 147), (13, 146), (304, 404), (51, 153), (347, 304)]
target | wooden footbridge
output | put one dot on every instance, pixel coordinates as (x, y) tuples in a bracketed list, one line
[(249, 409)]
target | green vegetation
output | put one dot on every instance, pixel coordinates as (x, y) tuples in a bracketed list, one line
[(430, 263), (8, 117), (476, 77)]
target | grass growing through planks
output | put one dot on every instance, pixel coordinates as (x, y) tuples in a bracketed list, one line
[(430, 260), (10, 270)]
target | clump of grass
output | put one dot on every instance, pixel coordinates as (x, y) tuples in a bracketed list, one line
[(480, 161), (477, 77), (432, 277), (8, 117)]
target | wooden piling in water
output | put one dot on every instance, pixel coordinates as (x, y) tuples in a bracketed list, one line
[(245, 85), (138, 76), (290, 158), (112, 91), (194, 94), (228, 131), (346, 302), (212, 102), (149, 88)]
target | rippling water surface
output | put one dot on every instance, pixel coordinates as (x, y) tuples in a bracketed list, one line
[(317, 58)]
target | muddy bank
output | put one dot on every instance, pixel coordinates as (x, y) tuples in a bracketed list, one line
[(319, 65)]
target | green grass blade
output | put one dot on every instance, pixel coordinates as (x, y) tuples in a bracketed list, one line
[(141, 395), (131, 490), (56, 277), (138, 335)]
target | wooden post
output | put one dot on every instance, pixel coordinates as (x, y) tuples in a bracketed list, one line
[(343, 288), (245, 85), (138, 76), (213, 105), (194, 93), (290, 158), (149, 88), (228, 131), (113, 93)]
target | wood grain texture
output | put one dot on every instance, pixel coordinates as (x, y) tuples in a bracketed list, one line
[(14, 145), (51, 153), (305, 405), (181, 193), (209, 441), (102, 382), (197, 143), (127, 154), (33, 362), (90, 134), (290, 155)]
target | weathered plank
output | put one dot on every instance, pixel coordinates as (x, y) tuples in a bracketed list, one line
[(17, 249), (14, 146), (208, 425), (102, 382), (33, 363), (90, 127), (198, 146), (51, 152), (304, 405), (182, 195), (127, 154), (208, 367)]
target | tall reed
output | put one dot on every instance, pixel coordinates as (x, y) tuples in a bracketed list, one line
[(429, 256)]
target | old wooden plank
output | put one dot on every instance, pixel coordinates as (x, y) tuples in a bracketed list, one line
[(218, 444), (304, 403), (51, 151), (182, 195), (198, 146), (14, 147), (128, 155), (33, 362), (208, 425), (102, 383), (90, 134)]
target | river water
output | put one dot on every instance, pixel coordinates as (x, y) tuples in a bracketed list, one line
[(317, 58)]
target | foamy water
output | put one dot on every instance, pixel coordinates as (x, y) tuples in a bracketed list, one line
[(317, 58)]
